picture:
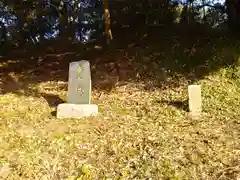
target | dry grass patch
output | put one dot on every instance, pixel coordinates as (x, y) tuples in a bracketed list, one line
[(140, 133), (137, 135)]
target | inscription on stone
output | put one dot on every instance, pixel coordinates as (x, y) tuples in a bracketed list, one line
[(79, 83)]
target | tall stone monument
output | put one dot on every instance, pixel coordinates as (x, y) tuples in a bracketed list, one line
[(79, 93)]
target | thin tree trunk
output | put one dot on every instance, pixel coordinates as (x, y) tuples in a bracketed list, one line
[(108, 31), (233, 12)]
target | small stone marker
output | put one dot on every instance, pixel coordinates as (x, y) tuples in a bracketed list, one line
[(79, 93), (195, 103)]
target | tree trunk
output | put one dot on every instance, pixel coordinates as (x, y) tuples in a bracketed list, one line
[(108, 31), (233, 12)]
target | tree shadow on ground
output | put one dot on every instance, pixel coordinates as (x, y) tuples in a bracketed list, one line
[(52, 99), (156, 58), (183, 105)]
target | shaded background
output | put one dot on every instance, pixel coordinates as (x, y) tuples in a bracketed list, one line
[(157, 43)]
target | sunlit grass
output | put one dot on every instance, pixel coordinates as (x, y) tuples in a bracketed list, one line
[(139, 133)]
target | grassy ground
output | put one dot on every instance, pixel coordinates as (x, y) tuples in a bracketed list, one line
[(142, 131)]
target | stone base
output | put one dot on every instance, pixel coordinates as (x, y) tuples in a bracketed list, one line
[(76, 110)]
